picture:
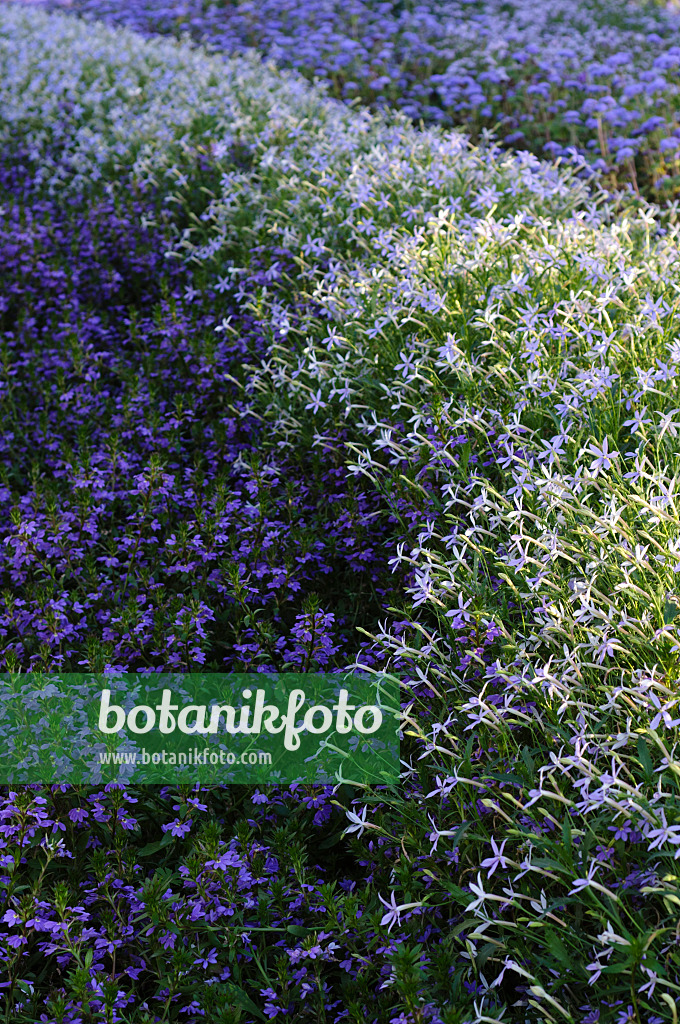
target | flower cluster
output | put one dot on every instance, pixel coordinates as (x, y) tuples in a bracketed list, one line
[(558, 78), (143, 526)]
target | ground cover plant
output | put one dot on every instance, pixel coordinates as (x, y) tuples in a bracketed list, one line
[(292, 384), (599, 78)]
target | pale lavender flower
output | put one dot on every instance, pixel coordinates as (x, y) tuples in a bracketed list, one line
[(666, 834), (359, 824), (603, 457), (394, 912), (637, 420), (497, 860), (583, 883)]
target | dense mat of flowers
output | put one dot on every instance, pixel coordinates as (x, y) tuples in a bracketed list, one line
[(598, 77), (142, 525), (291, 384)]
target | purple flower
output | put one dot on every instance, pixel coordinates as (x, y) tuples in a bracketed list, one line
[(207, 960), (178, 828), (497, 860)]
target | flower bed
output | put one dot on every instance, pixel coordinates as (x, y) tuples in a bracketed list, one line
[(599, 78)]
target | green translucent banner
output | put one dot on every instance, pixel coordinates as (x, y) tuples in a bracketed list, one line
[(204, 727)]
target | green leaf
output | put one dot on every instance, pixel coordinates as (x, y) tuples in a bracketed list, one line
[(643, 754), (460, 832), (671, 609), (464, 458), (242, 999), (618, 968), (485, 952), (558, 949), (332, 841), (150, 848), (528, 760), (505, 777), (459, 895)]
